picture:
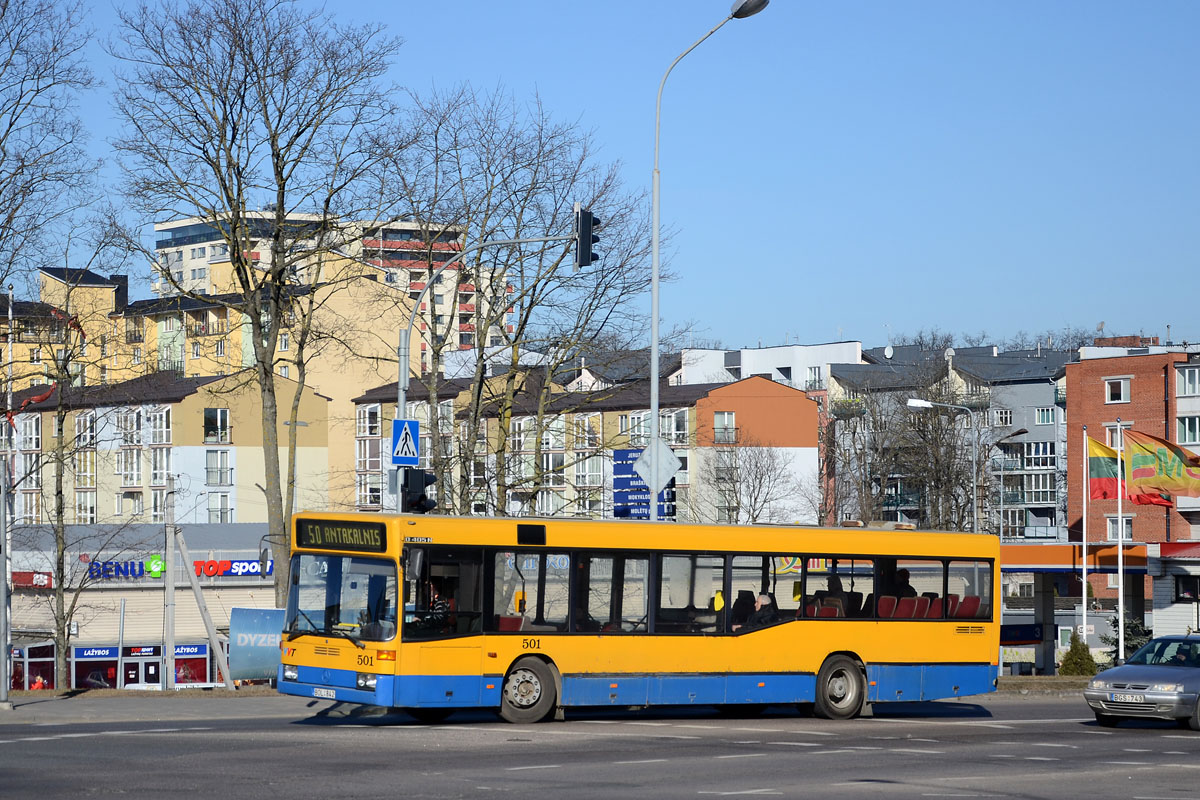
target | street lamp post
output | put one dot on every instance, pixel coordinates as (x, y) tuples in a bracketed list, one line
[(916, 402), (740, 10)]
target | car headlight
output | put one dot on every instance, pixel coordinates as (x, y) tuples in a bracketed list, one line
[(1096, 683), (365, 681), (1167, 687), (290, 672)]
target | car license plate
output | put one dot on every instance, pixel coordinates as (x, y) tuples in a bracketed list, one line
[(1127, 698), (328, 694)]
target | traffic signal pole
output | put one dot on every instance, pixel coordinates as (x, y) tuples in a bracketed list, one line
[(405, 336)]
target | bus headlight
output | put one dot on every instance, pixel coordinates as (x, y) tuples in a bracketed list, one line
[(365, 681), (290, 672)]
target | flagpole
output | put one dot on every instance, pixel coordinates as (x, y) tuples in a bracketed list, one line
[(1086, 491), (1120, 542)]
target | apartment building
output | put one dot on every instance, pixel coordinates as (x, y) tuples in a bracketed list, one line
[(120, 445), (559, 450), (1011, 407), (1132, 382), (404, 256)]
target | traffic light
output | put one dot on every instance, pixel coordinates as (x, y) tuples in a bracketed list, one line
[(414, 497), (585, 227)]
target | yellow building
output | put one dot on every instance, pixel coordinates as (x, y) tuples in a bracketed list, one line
[(355, 320)]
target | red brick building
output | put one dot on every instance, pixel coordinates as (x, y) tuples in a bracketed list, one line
[(1134, 383)]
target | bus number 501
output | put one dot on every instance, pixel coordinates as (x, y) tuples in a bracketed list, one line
[(366, 661), (531, 644)]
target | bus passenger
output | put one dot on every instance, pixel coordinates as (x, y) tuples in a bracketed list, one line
[(903, 587), (765, 613), (835, 596)]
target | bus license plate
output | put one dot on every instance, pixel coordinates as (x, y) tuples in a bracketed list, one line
[(328, 694), (1127, 698)]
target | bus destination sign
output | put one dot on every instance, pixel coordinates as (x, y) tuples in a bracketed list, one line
[(324, 534)]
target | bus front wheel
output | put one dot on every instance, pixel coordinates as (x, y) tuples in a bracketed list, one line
[(529, 692), (839, 688)]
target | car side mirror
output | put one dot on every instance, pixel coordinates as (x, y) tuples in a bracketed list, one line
[(1120, 662)]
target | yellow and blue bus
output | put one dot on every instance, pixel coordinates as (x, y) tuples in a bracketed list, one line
[(531, 616)]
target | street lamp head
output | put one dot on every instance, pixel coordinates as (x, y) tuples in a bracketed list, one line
[(1020, 432), (747, 8), (916, 402)]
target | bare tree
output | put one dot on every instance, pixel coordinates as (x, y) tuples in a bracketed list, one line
[(44, 171), (498, 170), (744, 483), (234, 105)]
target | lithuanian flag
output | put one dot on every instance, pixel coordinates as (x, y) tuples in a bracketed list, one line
[(1102, 471)]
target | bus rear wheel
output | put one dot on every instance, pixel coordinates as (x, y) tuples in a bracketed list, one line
[(839, 688), (528, 694)]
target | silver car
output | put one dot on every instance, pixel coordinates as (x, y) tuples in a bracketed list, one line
[(1160, 681)]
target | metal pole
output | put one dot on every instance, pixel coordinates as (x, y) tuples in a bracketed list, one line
[(974, 473), (405, 334), (5, 639), (169, 587), (654, 267), (121, 647), (1120, 542), (1083, 560)]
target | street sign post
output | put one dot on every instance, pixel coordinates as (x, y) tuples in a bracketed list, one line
[(406, 443)]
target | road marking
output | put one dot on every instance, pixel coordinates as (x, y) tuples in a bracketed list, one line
[(1057, 744), (643, 761), (797, 744), (743, 755), (1137, 750), (1041, 758), (1131, 763), (915, 750), (702, 727), (744, 791), (535, 766)]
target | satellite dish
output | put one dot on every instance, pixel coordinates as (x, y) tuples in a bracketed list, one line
[(888, 351)]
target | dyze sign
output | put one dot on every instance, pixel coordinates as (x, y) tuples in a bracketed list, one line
[(234, 567), (152, 567)]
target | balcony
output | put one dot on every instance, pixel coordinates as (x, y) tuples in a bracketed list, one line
[(205, 328), (218, 435), (814, 385), (1008, 498), (847, 409), (1046, 534), (134, 337), (1005, 464), (725, 435), (163, 365), (902, 499), (1060, 396), (977, 401), (218, 476)]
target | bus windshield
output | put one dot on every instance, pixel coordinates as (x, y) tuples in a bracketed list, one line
[(349, 597)]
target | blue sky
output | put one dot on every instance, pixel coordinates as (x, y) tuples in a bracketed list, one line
[(865, 168)]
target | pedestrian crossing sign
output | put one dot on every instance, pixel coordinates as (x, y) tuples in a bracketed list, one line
[(406, 443)]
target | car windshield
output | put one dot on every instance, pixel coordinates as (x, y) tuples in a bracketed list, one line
[(345, 596), (1168, 652)]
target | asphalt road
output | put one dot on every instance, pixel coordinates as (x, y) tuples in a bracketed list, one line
[(251, 747)]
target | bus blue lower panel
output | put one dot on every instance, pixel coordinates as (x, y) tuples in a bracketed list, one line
[(911, 682), (886, 683), (638, 690), (317, 682)]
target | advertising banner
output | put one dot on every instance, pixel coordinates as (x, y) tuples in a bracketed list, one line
[(254, 637)]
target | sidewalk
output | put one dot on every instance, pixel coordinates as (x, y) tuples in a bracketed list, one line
[(111, 705)]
